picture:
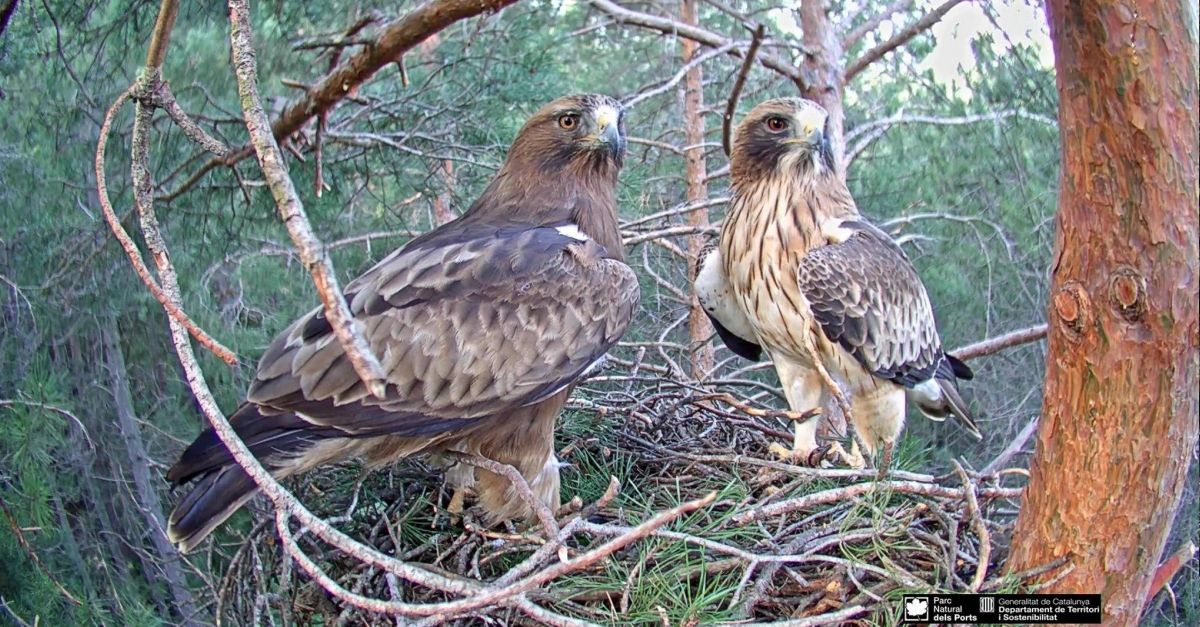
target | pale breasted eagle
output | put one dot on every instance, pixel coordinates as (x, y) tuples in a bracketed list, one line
[(483, 325), (797, 271)]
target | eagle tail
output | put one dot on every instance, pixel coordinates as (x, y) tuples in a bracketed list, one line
[(938, 398), (212, 500), (220, 485)]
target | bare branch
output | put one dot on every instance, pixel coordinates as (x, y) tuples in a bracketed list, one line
[(738, 84), (873, 22), (704, 37), (5, 402), (1001, 342), (33, 556), (916, 28), (395, 39), (832, 618), (985, 538), (826, 497), (312, 251), (674, 80), (174, 312), (545, 516), (868, 133)]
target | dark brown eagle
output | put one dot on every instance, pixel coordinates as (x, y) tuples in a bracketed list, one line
[(483, 326), (799, 273)]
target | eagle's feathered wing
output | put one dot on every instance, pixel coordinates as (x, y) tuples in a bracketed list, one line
[(470, 323), (867, 298)]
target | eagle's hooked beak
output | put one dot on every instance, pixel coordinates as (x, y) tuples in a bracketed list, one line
[(809, 136), (809, 129), (608, 129)]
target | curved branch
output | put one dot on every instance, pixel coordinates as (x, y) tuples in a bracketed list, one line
[(312, 252), (174, 312), (860, 31), (916, 28), (703, 37)]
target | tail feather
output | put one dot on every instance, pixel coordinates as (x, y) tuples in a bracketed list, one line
[(958, 407), (220, 486), (960, 369), (938, 397), (212, 500)]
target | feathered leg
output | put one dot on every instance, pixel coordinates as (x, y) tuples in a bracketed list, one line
[(878, 417), (805, 390), (523, 439)]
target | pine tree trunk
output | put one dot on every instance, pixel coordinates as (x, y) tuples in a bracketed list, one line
[(1120, 411), (699, 328), (823, 67), (162, 566)]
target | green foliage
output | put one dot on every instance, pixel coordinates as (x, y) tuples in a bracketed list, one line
[(976, 198)]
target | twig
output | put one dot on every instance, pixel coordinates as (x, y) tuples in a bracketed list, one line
[(933, 17), (873, 22), (312, 253), (131, 250), (519, 484), (395, 38), (985, 538), (1001, 342), (4, 402), (833, 618), (33, 556), (674, 80), (1013, 447), (699, 35), (738, 84), (853, 491)]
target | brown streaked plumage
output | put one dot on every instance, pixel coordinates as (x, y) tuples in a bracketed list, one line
[(798, 271), (483, 326)]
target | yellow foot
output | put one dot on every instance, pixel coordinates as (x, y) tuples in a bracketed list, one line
[(456, 501), (827, 456)]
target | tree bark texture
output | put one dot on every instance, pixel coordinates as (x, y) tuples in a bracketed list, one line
[(695, 171), (822, 70), (1119, 419), (146, 499)]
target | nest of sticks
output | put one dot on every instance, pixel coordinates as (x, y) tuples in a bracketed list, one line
[(679, 516)]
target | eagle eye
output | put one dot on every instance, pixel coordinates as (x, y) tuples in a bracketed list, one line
[(568, 121), (777, 124)]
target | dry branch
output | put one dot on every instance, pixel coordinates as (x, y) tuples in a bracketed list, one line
[(849, 492), (174, 312), (916, 28), (704, 37), (394, 40), (996, 344), (736, 92), (873, 22), (312, 252)]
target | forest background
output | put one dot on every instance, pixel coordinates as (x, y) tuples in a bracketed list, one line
[(950, 143)]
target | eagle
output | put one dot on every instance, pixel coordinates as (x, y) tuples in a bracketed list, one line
[(483, 326), (799, 274)]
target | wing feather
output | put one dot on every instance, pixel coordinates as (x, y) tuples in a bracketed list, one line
[(492, 320), (866, 297)]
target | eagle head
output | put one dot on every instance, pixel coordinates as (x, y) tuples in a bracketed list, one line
[(585, 132), (785, 133)]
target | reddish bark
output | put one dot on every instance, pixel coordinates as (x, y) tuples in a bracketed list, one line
[(823, 58), (699, 328), (443, 212), (1119, 416)]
